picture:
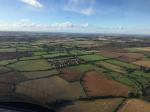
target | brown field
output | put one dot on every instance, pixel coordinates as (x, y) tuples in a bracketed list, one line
[(5, 88), (51, 89), (7, 81), (98, 85), (8, 78), (11, 77), (145, 63), (103, 105), (11, 97), (135, 105), (109, 54), (70, 74), (128, 57)]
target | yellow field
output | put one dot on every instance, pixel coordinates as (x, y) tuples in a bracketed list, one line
[(143, 48), (145, 63), (103, 105), (135, 105)]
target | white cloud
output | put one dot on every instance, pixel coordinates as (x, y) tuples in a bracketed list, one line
[(34, 3), (27, 25), (85, 7), (87, 11), (25, 20), (68, 25)]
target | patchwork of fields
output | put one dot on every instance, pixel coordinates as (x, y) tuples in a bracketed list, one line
[(75, 77)]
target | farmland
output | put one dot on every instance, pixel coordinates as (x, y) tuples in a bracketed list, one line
[(77, 74), (135, 105), (30, 65), (108, 105), (92, 57), (145, 63), (45, 94), (106, 86)]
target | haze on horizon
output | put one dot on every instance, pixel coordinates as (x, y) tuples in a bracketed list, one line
[(83, 16)]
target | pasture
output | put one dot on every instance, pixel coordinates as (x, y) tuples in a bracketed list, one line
[(93, 57), (31, 65)]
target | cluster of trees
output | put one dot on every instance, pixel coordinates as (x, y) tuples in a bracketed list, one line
[(145, 69)]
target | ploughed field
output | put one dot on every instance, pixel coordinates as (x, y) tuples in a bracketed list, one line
[(76, 75), (96, 84)]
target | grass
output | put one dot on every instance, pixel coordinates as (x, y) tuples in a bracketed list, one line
[(22, 48), (30, 58), (54, 55), (111, 67), (122, 64), (7, 50), (132, 49), (6, 62), (147, 55), (78, 52), (86, 67), (39, 53), (29, 48), (93, 57), (142, 77), (31, 65), (31, 75), (122, 79)]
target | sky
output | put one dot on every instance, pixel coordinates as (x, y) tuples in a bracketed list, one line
[(81, 16)]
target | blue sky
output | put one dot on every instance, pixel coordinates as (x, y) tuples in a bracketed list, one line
[(88, 16)]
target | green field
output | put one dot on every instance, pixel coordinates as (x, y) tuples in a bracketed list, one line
[(142, 77), (93, 57), (122, 64), (39, 53), (32, 75), (111, 67), (31, 65), (30, 58), (121, 78), (6, 62), (86, 67), (78, 52), (54, 55), (7, 50)]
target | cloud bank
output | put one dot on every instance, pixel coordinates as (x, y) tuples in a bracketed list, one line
[(34, 3), (27, 25)]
